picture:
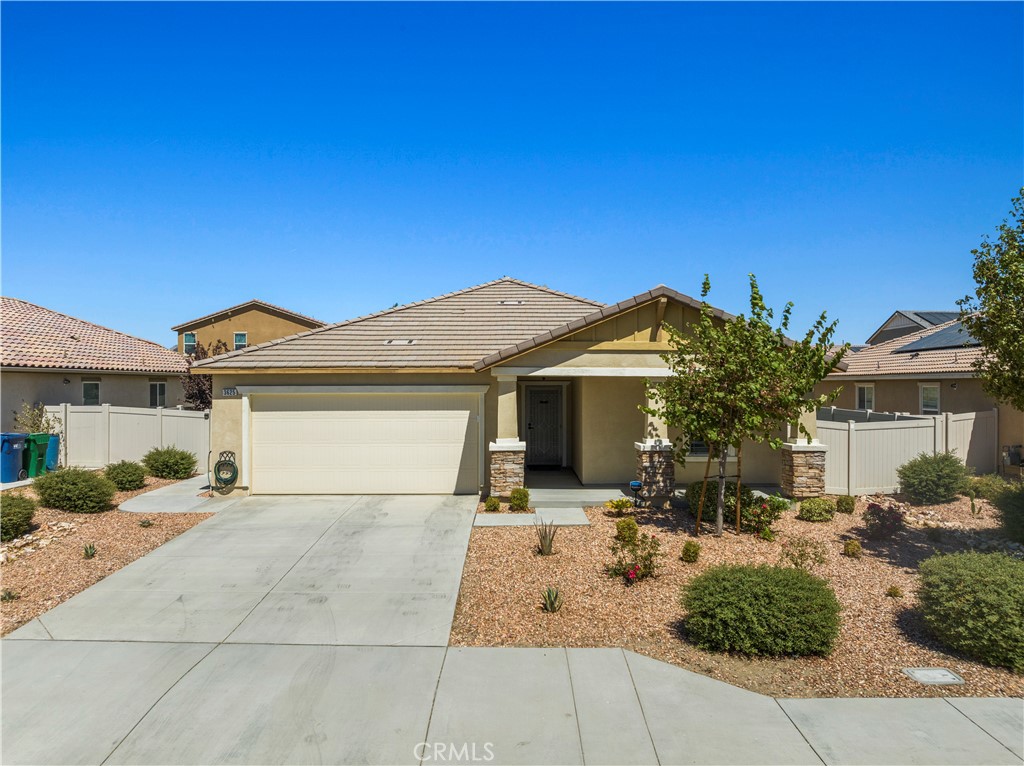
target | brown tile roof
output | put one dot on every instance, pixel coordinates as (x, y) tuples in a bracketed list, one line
[(886, 358), (35, 337), (247, 304), (450, 331)]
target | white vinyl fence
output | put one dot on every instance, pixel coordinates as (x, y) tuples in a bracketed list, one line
[(96, 436), (863, 457)]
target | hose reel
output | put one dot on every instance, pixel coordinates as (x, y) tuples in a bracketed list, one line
[(225, 471)]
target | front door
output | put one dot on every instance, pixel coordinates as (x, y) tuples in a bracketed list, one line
[(543, 426)]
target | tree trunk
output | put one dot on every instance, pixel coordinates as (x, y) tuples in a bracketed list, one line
[(739, 473), (703, 491), (723, 456)]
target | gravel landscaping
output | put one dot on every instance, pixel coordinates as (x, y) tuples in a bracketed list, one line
[(500, 599), (47, 566)]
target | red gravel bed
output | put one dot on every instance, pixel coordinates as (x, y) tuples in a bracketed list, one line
[(499, 602)]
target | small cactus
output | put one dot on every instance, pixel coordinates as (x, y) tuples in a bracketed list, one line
[(546, 537), (145, 523), (9, 595), (89, 550), (551, 600)]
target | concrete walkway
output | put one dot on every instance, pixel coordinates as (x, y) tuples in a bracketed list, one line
[(181, 497), (314, 630)]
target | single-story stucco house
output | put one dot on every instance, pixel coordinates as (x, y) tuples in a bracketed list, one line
[(47, 357), (927, 372), (470, 391)]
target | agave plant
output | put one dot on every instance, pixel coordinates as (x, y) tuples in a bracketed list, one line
[(89, 551), (546, 537), (551, 600)]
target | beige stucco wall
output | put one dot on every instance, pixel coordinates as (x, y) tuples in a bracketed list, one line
[(609, 423), (903, 395), (260, 324), (49, 388)]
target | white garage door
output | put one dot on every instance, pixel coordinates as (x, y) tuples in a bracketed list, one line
[(355, 443)]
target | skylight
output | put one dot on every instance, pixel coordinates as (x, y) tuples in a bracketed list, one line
[(511, 303), (399, 342)]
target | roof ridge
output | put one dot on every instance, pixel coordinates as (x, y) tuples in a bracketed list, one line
[(247, 303), (85, 321), (385, 312), (910, 337)]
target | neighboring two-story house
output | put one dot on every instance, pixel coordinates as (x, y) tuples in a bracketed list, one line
[(247, 324)]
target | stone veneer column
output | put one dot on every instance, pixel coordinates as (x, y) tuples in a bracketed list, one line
[(655, 469), (508, 466), (803, 469)]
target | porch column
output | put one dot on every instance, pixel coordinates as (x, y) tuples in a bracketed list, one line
[(507, 452), (655, 466), (803, 461)]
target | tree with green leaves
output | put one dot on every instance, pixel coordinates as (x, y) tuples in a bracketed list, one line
[(995, 315), (737, 379)]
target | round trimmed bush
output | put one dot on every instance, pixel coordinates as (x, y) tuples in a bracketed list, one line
[(846, 504), (169, 463), (519, 499), (16, 513), (761, 610), (1010, 503), (817, 509), (492, 504), (76, 490), (931, 479), (126, 475), (974, 603)]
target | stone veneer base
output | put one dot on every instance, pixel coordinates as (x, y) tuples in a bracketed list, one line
[(803, 470)]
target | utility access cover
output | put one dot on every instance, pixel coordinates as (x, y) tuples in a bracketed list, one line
[(934, 676)]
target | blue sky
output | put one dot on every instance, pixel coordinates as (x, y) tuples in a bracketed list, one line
[(161, 161)]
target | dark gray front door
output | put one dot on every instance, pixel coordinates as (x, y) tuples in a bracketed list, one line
[(543, 426)]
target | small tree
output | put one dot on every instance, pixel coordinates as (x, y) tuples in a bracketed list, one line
[(199, 388), (736, 379), (995, 316), (34, 419)]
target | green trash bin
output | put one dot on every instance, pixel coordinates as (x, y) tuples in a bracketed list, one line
[(35, 454)]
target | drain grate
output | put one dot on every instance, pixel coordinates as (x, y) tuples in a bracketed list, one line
[(934, 676)]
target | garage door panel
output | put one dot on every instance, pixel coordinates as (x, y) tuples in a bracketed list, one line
[(365, 444)]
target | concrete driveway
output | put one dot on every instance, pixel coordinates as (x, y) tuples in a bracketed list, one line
[(314, 630)]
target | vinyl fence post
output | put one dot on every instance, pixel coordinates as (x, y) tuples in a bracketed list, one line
[(851, 462), (65, 416), (106, 433), (945, 432), (160, 427)]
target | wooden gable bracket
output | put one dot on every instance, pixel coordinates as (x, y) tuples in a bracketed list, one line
[(656, 327)]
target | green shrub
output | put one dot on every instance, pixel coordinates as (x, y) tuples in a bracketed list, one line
[(169, 463), (636, 560), (761, 610), (931, 479), (619, 505), (1010, 503), (757, 514), (492, 504), (846, 504), (972, 602), (627, 530), (894, 591), (852, 548), (126, 475), (76, 490), (691, 552), (882, 521), (802, 553), (16, 513), (519, 499), (989, 486), (817, 509)]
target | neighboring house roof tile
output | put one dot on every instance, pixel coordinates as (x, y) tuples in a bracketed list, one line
[(454, 330), (247, 304), (903, 321), (35, 337), (889, 358)]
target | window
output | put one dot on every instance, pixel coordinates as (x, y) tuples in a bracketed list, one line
[(865, 396), (90, 392), (241, 340), (700, 449), (157, 393), (929, 398), (188, 343)]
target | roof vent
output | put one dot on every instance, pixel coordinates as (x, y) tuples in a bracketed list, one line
[(511, 303), (398, 342)]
